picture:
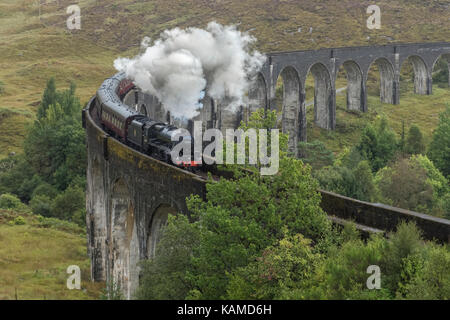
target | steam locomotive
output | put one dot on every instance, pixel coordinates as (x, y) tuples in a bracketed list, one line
[(134, 129)]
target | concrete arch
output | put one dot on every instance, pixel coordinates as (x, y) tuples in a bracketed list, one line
[(422, 79), (291, 107), (446, 57), (323, 96), (124, 242), (355, 85), (257, 93), (387, 79), (157, 223)]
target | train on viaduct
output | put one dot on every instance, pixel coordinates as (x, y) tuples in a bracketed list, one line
[(130, 194)]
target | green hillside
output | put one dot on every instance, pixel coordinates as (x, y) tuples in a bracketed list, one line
[(35, 43), (34, 255)]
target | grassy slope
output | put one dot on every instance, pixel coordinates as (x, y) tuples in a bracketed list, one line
[(34, 260), (33, 49)]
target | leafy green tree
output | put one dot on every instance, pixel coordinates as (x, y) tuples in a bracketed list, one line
[(49, 98), (55, 144), (316, 154), (238, 220), (338, 179), (439, 149), (242, 217), (45, 189), (405, 185), (68, 203), (414, 142), (42, 205), (17, 179), (405, 242), (378, 144), (281, 272), (166, 275), (365, 188), (343, 274), (356, 183), (427, 274), (10, 201), (441, 75)]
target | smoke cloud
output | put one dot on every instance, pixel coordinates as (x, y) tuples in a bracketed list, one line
[(179, 66)]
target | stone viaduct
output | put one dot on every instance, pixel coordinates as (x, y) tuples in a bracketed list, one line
[(130, 195), (324, 65)]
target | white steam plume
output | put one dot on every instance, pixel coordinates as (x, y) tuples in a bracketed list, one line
[(182, 63)]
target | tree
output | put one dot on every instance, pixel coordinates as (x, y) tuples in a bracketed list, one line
[(338, 179), (282, 271), (238, 220), (242, 217), (48, 98), (66, 204), (165, 276), (439, 150), (405, 185), (365, 188), (378, 144), (414, 141), (55, 144), (316, 154)]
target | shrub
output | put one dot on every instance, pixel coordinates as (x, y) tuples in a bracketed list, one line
[(414, 141), (79, 217), (281, 272), (431, 277), (365, 189), (336, 179), (67, 203), (41, 204), (378, 144), (10, 201), (405, 185), (45, 189), (58, 224), (406, 241), (439, 149), (316, 154), (19, 220), (343, 275)]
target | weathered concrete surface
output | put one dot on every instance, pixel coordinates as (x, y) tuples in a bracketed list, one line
[(129, 196), (383, 217)]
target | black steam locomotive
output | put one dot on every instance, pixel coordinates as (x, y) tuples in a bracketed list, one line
[(134, 129)]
